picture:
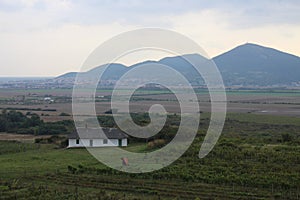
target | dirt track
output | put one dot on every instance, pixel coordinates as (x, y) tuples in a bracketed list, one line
[(20, 137)]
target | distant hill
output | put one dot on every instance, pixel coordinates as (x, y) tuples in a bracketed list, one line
[(67, 75), (252, 64), (245, 65), (114, 71)]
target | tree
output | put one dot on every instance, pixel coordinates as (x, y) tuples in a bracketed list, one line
[(286, 137), (3, 124), (35, 120)]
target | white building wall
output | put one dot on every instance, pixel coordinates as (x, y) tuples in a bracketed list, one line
[(96, 143), (124, 142)]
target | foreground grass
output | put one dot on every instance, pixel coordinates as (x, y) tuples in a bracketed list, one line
[(264, 119), (250, 161), (40, 159), (43, 174)]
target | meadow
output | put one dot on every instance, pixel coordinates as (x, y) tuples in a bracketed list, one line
[(257, 157)]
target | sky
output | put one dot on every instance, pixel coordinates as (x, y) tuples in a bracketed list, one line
[(52, 37)]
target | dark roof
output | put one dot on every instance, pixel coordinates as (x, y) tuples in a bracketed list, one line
[(94, 133)]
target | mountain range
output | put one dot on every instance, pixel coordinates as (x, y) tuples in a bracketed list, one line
[(246, 65)]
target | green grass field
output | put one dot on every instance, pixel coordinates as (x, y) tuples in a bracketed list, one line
[(61, 91), (252, 160), (265, 119)]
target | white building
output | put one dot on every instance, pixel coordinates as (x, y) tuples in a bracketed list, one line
[(91, 137)]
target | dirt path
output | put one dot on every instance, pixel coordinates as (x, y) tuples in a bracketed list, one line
[(20, 137)]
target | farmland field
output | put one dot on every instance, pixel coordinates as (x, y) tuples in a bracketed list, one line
[(265, 102)]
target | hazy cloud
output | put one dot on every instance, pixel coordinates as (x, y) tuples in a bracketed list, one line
[(67, 30)]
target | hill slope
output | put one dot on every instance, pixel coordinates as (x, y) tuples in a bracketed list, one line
[(245, 65), (251, 64)]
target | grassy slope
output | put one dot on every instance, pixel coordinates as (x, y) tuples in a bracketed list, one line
[(264, 119), (239, 159)]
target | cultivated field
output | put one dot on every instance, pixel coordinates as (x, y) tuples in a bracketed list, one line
[(266, 102)]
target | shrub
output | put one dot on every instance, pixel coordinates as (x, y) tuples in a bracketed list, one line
[(156, 143), (64, 114)]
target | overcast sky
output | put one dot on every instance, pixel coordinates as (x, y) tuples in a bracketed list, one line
[(51, 37)]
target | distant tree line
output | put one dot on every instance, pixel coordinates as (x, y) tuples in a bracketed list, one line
[(16, 122)]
